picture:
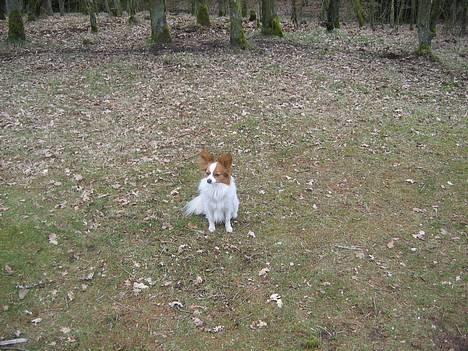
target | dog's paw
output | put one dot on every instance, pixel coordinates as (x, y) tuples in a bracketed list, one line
[(211, 228), (229, 229)]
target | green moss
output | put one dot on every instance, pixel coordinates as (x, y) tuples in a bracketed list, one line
[(15, 27), (243, 43), (276, 27), (203, 17), (252, 16), (424, 50), (132, 20), (163, 37), (93, 21)]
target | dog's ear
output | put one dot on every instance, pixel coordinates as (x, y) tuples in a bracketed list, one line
[(205, 158), (226, 161)]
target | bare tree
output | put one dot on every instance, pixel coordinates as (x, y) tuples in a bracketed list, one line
[(92, 15), (270, 21), (203, 16), (425, 34), (15, 22), (237, 35), (333, 15), (160, 32), (2, 9)]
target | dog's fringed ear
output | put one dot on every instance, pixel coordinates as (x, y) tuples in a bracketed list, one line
[(226, 161), (205, 158)]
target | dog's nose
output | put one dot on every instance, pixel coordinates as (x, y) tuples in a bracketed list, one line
[(208, 181)]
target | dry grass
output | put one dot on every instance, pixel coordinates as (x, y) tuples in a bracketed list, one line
[(345, 146)]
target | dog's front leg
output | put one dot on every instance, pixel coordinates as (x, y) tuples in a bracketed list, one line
[(211, 223), (227, 222)]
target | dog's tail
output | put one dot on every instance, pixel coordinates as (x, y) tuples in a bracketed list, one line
[(195, 206)]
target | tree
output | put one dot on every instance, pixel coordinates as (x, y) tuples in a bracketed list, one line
[(116, 8), (425, 34), (61, 7), (221, 8), (296, 12), (270, 21), (237, 35), (15, 22), (92, 15), (160, 32), (132, 11), (203, 16), (333, 15), (2, 9), (357, 6), (392, 13)]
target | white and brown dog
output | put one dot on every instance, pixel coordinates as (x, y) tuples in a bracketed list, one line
[(217, 198)]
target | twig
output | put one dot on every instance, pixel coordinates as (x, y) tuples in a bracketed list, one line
[(13, 342), (348, 247)]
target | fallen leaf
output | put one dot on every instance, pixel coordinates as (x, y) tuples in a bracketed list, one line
[(22, 293), (391, 244), (53, 239), (71, 295), (421, 235), (258, 324), (8, 270), (198, 322), (65, 330), (198, 280), (251, 234), (263, 271), (276, 298), (410, 181), (176, 304)]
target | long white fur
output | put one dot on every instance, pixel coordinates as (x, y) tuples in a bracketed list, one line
[(217, 201)]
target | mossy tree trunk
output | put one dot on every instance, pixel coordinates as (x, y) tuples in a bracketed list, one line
[(92, 15), (372, 14), (46, 8), (221, 8), (15, 22), (160, 32), (333, 15), (237, 35), (61, 7), (357, 6), (425, 34), (271, 24), (203, 16), (195, 6)]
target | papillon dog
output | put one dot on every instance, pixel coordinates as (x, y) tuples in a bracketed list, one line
[(217, 198)]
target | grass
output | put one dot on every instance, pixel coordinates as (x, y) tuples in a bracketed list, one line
[(104, 156)]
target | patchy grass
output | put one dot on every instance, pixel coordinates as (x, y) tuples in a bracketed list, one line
[(346, 146)]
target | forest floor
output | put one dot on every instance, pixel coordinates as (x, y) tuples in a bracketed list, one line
[(350, 157)]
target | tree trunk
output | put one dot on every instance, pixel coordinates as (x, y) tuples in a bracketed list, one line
[(2, 9), (237, 36), (392, 13), (296, 12), (413, 14), (92, 15), (46, 8), (203, 16), (244, 8), (116, 8), (15, 22), (435, 14), (372, 14), (221, 8), (160, 33), (424, 31), (270, 21), (401, 7), (333, 15), (463, 19), (61, 7), (107, 7), (357, 6), (132, 11), (195, 5)]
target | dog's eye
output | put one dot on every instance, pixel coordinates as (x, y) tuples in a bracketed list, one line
[(217, 175), (207, 173)]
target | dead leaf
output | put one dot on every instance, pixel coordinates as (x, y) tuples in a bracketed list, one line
[(276, 298), (391, 244), (198, 280), (36, 321), (22, 293), (258, 324), (8, 270), (251, 234), (263, 272), (53, 239), (420, 235), (65, 330), (176, 304), (410, 181), (198, 322)]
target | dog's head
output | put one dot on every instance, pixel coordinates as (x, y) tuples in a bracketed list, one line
[(216, 171)]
